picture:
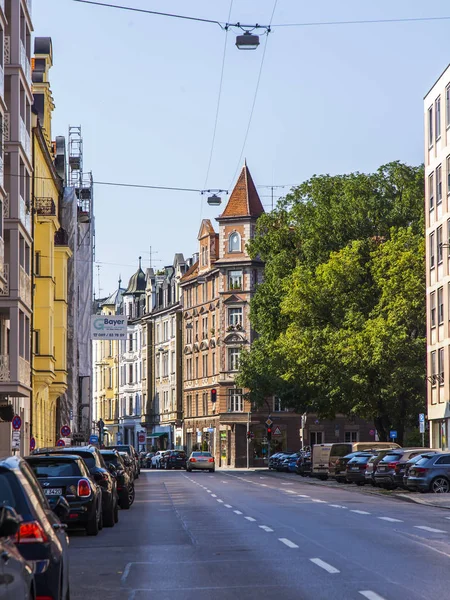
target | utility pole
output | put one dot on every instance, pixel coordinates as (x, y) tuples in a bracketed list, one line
[(248, 440)]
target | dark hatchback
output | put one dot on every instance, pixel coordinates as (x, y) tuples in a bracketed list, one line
[(125, 483), (356, 468), (101, 475), (16, 575), (67, 475), (41, 538), (340, 467), (174, 459), (129, 449)]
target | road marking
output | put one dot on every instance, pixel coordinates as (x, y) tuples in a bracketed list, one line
[(360, 512), (213, 496), (126, 572), (303, 496), (287, 484), (288, 542), (321, 501), (250, 518), (265, 528), (209, 491), (425, 528), (324, 565), (219, 500), (390, 519), (337, 506), (228, 505), (238, 512), (371, 595), (263, 485), (289, 491), (447, 517)]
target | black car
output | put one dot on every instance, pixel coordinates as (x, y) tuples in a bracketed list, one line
[(132, 453), (303, 465), (356, 468), (16, 575), (174, 459), (340, 472), (67, 475), (125, 484), (41, 538), (101, 475)]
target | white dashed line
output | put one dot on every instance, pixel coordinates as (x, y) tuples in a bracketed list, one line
[(263, 485), (213, 496), (209, 491), (390, 519), (265, 528), (288, 543), (289, 491), (371, 595), (321, 501), (228, 505), (219, 500), (425, 528), (324, 565), (238, 512), (287, 484), (250, 518), (303, 496), (337, 506), (360, 512)]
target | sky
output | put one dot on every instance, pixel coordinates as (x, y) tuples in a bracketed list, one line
[(144, 88)]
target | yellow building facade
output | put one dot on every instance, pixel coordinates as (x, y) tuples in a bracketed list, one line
[(51, 255)]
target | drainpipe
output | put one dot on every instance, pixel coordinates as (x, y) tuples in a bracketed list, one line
[(32, 259)]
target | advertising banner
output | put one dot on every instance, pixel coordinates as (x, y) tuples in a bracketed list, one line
[(108, 327)]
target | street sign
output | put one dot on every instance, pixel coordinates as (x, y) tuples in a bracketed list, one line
[(93, 439), (32, 444), (393, 434), (15, 441), (421, 418), (211, 429), (16, 422), (141, 438), (60, 443), (65, 431), (372, 432), (277, 431), (71, 415), (422, 427), (269, 422)]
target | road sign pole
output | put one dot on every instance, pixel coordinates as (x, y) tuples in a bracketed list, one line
[(248, 441)]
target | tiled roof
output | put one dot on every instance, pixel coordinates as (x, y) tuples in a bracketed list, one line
[(191, 273), (244, 200), (206, 225)]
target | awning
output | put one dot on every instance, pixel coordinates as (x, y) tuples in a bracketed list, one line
[(157, 435)]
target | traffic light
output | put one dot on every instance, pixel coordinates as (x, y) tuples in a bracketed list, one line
[(269, 433), (249, 435), (213, 395)]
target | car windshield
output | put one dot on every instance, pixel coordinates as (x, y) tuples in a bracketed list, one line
[(88, 458), (391, 458), (424, 458), (49, 467), (179, 454), (111, 458), (359, 459)]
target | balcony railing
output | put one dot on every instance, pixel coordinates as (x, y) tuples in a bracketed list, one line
[(45, 207), (25, 214), (2, 79), (6, 207), (2, 255), (61, 237), (6, 121), (4, 288), (25, 63), (25, 139), (5, 374), (25, 286), (24, 371), (7, 50)]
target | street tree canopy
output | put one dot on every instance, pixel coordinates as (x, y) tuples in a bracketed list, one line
[(341, 312)]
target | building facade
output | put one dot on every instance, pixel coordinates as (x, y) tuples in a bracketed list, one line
[(51, 255), (437, 230), (16, 223)]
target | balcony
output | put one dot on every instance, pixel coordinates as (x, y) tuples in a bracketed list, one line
[(61, 237), (25, 139), (2, 80), (6, 120), (5, 374), (7, 50), (25, 63), (24, 286), (24, 371), (4, 288), (6, 207), (45, 207), (25, 214)]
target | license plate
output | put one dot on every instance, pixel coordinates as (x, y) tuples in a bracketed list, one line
[(412, 472), (53, 492), (382, 468), (355, 468)]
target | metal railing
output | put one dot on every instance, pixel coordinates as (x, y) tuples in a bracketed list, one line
[(6, 207), (25, 139), (61, 238), (24, 371), (45, 207), (25, 63), (7, 50), (5, 374), (25, 286), (6, 128), (24, 214), (4, 288), (2, 81)]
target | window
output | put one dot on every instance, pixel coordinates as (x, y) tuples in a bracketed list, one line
[(440, 250), (431, 191), (350, 436), (189, 405), (37, 263), (315, 437), (439, 184), (130, 373), (433, 368), (235, 401), (196, 367), (441, 366), (431, 250), (166, 330), (205, 365), (235, 316), (234, 242), (213, 316), (173, 361), (430, 126), (165, 364), (110, 380), (130, 343), (157, 364), (37, 341), (233, 359), (437, 114), (277, 406), (440, 305), (205, 403), (196, 405), (205, 328), (433, 309), (234, 280), (214, 361), (213, 288)]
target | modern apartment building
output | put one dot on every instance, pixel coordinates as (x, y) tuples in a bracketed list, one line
[(16, 220), (437, 224)]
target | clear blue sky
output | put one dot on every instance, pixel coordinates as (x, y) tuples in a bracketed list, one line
[(144, 88)]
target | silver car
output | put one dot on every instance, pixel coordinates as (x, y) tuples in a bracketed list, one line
[(201, 460)]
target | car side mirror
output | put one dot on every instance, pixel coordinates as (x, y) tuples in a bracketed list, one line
[(112, 469), (61, 508), (9, 521)]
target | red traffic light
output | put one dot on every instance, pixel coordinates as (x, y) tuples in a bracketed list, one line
[(213, 395), (269, 430)]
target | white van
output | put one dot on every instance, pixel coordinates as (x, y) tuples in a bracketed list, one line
[(324, 457)]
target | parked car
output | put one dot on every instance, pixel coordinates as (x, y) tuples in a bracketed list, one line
[(67, 475), (142, 456), (201, 460), (173, 459), (340, 466), (356, 468), (148, 460), (431, 473), (41, 538), (324, 457), (373, 463), (156, 459), (400, 467), (412, 461), (125, 483), (276, 458), (129, 465), (131, 452), (99, 472), (303, 465), (384, 474), (288, 463), (16, 575)]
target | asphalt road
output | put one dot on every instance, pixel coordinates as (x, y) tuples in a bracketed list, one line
[(241, 536)]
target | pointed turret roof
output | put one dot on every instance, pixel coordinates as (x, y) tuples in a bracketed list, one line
[(137, 282), (244, 200)]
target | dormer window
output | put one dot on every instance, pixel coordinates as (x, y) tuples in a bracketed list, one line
[(234, 242)]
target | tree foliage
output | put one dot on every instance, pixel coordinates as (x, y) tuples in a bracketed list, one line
[(341, 312)]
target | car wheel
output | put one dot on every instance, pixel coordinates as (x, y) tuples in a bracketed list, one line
[(440, 485), (108, 517), (68, 592), (92, 526)]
